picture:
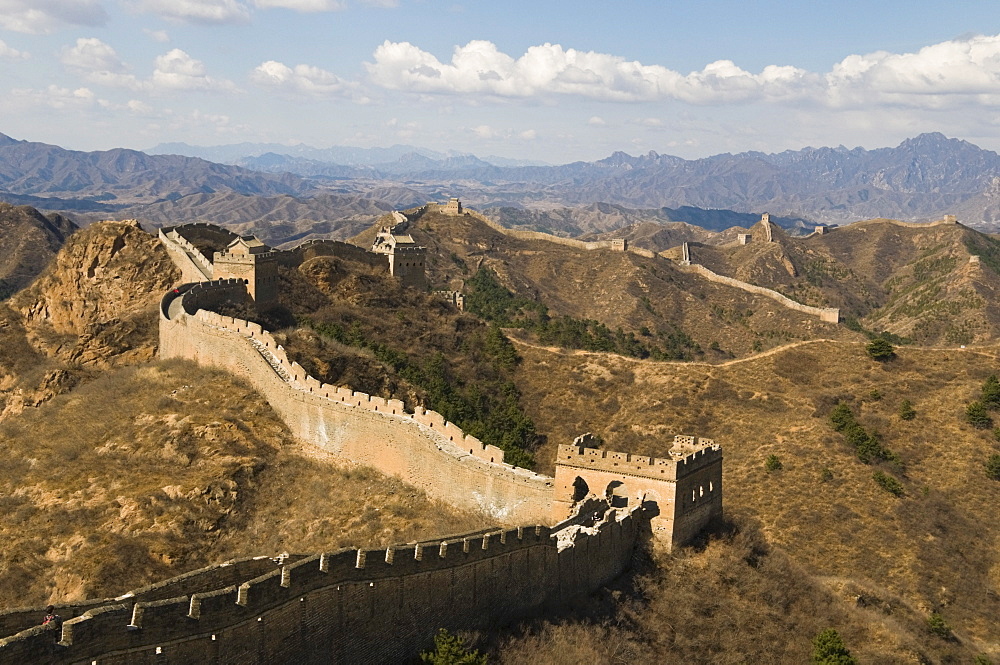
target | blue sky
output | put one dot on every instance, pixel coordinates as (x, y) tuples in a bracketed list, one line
[(554, 81)]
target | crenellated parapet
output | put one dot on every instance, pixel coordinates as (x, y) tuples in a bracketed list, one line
[(421, 447), (345, 606), (685, 487)]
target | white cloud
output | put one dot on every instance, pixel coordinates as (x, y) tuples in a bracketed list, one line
[(302, 5), (528, 135), (160, 36), (176, 70), (57, 97), (41, 16), (11, 53), (98, 63), (480, 68), (304, 79), (195, 11), (597, 121), (962, 71)]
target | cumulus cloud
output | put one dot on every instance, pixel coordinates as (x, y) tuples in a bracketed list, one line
[(11, 53), (300, 78), (195, 11), (176, 70), (480, 68), (597, 121), (98, 63), (41, 16), (57, 97), (955, 71)]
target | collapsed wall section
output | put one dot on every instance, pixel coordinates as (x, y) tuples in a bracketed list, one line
[(681, 493), (422, 448), (350, 606)]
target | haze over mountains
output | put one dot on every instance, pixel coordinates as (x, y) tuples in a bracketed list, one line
[(919, 180)]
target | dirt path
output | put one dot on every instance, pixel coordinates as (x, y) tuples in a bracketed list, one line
[(994, 355)]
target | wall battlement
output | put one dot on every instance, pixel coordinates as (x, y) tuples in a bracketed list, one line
[(340, 606)]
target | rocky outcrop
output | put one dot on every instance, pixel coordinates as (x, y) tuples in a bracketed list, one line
[(96, 303)]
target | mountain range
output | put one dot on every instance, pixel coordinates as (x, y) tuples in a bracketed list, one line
[(921, 179)]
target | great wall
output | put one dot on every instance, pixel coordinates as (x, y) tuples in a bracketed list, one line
[(375, 606)]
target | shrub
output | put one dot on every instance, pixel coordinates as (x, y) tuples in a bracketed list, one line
[(982, 659), (841, 417), (826, 475), (772, 463), (977, 415), (906, 411), (829, 649), (991, 392), (880, 349), (889, 483), (875, 395), (451, 650), (938, 626), (993, 467)]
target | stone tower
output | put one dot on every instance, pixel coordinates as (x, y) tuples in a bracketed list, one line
[(406, 258), (249, 259), (682, 492)]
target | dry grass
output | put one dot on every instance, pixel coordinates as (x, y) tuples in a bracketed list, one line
[(146, 472), (934, 548), (733, 599)]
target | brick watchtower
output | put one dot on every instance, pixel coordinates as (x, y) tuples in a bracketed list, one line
[(249, 259), (683, 492)]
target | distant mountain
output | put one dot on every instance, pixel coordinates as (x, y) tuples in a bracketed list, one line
[(124, 176)]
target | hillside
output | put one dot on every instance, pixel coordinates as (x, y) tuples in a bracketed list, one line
[(917, 553), (28, 241), (915, 281), (648, 297), (122, 470)]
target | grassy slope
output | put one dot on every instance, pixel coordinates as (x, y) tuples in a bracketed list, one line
[(149, 471), (617, 289), (934, 547)]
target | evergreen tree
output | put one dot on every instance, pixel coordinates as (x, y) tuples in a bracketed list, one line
[(451, 650), (977, 415), (906, 411), (880, 349), (991, 392), (829, 649), (993, 467)]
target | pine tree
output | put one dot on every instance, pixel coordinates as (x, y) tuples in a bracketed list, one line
[(829, 649), (451, 650)]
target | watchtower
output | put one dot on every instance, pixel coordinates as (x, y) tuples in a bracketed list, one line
[(249, 259), (406, 257), (682, 492), (452, 207)]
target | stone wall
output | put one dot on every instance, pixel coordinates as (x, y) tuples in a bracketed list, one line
[(681, 493), (350, 606), (192, 263), (421, 448), (828, 314)]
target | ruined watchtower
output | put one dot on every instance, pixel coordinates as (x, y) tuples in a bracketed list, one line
[(249, 259), (682, 492), (406, 257)]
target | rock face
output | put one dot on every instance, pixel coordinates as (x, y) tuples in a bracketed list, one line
[(28, 241), (96, 303)]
